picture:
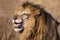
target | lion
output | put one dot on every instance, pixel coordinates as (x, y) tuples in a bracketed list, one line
[(32, 22)]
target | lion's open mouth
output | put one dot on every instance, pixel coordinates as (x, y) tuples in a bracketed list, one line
[(18, 25)]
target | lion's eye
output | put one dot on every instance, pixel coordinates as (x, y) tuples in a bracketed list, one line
[(25, 16)]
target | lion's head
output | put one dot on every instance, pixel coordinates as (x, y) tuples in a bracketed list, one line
[(25, 19), (33, 23)]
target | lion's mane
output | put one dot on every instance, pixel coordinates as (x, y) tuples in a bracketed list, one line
[(45, 26)]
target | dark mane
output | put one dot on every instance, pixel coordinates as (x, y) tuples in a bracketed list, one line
[(42, 11), (35, 6), (47, 17)]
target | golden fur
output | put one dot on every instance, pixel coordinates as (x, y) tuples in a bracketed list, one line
[(39, 26)]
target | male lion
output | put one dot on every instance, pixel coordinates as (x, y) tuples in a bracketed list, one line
[(34, 23)]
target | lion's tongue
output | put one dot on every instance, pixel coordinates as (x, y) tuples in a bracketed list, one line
[(18, 26)]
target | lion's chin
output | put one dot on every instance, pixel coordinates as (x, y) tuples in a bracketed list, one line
[(18, 29)]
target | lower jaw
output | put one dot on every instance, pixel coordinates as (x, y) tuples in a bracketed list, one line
[(18, 29)]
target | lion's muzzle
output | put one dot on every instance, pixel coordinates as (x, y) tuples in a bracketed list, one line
[(18, 23)]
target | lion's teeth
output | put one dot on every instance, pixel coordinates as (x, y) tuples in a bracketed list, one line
[(17, 25)]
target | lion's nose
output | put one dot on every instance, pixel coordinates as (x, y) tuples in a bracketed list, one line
[(18, 21)]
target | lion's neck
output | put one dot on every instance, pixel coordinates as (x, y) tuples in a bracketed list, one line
[(37, 31)]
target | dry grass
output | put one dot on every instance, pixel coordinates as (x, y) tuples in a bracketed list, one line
[(7, 9)]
